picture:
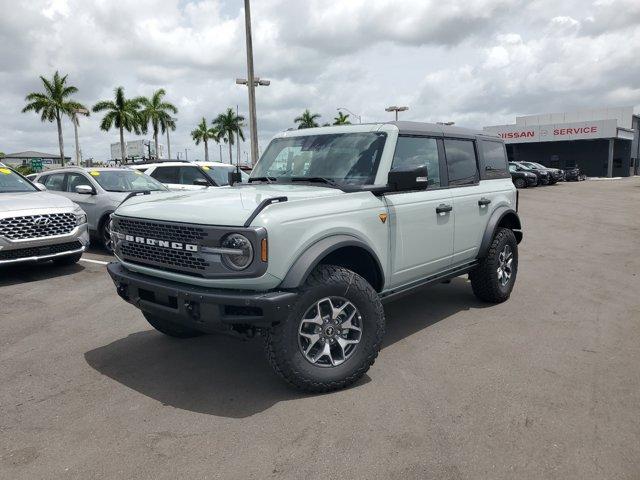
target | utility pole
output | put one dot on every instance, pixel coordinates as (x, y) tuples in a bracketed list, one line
[(186, 155), (238, 139)]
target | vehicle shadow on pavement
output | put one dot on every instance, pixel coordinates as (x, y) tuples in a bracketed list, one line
[(17, 274), (225, 376)]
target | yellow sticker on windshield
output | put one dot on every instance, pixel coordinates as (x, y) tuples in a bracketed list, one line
[(206, 168), (138, 172), (6, 171), (94, 173)]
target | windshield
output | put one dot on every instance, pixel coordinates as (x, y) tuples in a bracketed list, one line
[(537, 165), (524, 167), (125, 181), (11, 182), (343, 158), (220, 174)]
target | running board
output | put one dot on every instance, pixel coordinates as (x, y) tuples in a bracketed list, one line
[(396, 293)]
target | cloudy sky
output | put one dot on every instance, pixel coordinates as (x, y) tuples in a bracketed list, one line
[(475, 62)]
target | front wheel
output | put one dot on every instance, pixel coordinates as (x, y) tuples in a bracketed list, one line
[(332, 335), (520, 183), (105, 234), (493, 280)]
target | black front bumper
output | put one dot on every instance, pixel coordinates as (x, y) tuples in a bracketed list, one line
[(200, 307)]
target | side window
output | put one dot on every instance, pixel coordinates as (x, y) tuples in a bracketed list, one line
[(188, 175), (494, 160), (462, 164), (166, 174), (412, 152), (74, 180), (54, 182)]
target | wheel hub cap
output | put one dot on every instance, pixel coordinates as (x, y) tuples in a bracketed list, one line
[(505, 260), (330, 332)]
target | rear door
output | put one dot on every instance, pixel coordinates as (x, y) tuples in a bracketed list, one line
[(421, 238), (169, 176)]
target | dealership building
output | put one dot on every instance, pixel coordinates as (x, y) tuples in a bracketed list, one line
[(602, 142)]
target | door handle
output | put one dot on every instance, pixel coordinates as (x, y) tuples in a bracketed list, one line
[(443, 208), (483, 202)]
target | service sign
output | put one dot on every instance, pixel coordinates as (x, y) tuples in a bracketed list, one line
[(555, 133)]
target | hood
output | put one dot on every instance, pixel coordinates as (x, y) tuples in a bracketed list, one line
[(226, 206), (10, 202)]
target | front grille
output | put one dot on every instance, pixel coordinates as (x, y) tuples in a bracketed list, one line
[(38, 251), (37, 226), (180, 259), (164, 231)]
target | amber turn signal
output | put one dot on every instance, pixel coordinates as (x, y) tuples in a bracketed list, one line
[(264, 250)]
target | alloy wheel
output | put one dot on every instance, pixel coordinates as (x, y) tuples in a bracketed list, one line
[(505, 260)]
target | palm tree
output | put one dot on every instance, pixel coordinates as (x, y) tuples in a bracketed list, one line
[(229, 126), (170, 126), (307, 119), (157, 113), (123, 113), (53, 103), (203, 133), (341, 119)]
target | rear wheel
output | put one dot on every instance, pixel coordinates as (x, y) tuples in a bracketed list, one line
[(332, 335), (171, 329), (493, 280)]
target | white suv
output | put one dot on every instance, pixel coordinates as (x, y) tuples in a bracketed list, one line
[(333, 222)]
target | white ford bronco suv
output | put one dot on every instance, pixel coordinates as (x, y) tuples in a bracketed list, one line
[(333, 222)]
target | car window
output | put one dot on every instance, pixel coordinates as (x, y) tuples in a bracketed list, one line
[(166, 174), (125, 180), (461, 161), (512, 168), (188, 175), (76, 179), (11, 182), (220, 174), (494, 160), (54, 182), (413, 152)]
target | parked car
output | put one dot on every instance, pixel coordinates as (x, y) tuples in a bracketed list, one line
[(37, 226), (521, 178), (573, 174), (333, 221), (219, 172), (177, 175), (98, 191), (555, 174), (543, 175)]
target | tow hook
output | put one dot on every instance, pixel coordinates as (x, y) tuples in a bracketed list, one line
[(193, 309), (123, 291)]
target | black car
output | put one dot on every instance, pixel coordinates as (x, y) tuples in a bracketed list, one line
[(573, 174), (521, 178), (555, 174), (544, 177)]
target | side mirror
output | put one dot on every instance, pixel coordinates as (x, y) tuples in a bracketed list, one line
[(234, 177), (401, 180), (85, 190), (40, 186), (201, 182)]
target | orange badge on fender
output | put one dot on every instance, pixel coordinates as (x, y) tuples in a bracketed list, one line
[(383, 217)]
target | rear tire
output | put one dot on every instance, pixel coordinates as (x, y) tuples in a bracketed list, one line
[(493, 280), (332, 335), (171, 329), (68, 259)]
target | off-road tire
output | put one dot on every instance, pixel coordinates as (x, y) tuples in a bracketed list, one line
[(484, 278), (68, 259), (520, 183), (281, 341), (171, 329)]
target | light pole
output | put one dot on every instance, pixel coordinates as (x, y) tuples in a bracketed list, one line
[(74, 119), (393, 108), (359, 117), (186, 154), (251, 82)]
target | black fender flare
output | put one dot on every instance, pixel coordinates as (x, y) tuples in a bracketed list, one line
[(313, 255), (497, 216)]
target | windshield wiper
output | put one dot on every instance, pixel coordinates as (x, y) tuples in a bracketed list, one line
[(263, 179), (328, 181)]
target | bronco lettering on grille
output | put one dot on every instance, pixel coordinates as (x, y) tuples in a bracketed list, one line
[(162, 243)]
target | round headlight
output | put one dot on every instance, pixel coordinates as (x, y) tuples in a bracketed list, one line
[(243, 256)]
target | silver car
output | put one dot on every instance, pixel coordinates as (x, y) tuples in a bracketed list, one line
[(99, 191), (36, 225)]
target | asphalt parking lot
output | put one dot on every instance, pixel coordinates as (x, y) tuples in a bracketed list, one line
[(546, 385)]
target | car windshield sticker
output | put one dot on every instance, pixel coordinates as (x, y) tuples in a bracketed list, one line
[(6, 171), (94, 174)]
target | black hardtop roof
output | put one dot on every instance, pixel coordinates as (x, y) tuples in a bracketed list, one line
[(423, 128)]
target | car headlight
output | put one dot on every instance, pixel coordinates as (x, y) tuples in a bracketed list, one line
[(240, 251), (81, 217)]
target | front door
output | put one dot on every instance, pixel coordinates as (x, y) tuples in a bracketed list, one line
[(420, 222), (88, 203)]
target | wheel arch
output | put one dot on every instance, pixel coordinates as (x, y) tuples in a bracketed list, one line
[(341, 250), (502, 217)]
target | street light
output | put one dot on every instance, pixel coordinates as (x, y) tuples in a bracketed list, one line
[(359, 117), (74, 119), (393, 108)]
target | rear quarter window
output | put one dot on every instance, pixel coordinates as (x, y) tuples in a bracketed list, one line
[(493, 160)]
